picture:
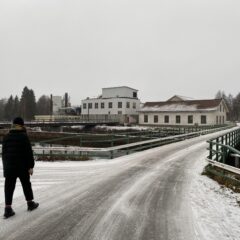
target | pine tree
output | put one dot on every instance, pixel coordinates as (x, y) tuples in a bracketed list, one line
[(2, 107), (28, 104), (9, 109), (16, 107), (44, 105), (236, 108)]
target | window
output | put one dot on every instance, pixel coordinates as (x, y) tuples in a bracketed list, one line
[(220, 108), (178, 119), (119, 104), (127, 104), (223, 120), (110, 105), (145, 118), (190, 119), (90, 105), (134, 105), (119, 112), (96, 105), (155, 118), (216, 119), (203, 119), (84, 106), (102, 104), (166, 119), (134, 94)]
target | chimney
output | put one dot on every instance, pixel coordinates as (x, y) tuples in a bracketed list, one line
[(51, 104), (66, 100)]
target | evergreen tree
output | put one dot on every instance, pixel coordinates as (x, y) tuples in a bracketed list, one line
[(236, 108), (16, 106), (28, 104), (2, 107), (44, 105), (9, 109)]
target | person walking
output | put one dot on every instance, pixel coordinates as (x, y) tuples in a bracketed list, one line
[(18, 162)]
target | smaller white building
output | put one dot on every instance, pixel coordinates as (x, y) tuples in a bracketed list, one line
[(59, 102), (180, 111), (119, 101), (56, 104)]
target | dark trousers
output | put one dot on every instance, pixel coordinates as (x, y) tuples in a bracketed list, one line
[(10, 183)]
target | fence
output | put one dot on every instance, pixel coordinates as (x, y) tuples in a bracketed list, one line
[(223, 148), (116, 151)]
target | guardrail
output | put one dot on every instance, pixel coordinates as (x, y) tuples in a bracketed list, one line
[(116, 151), (220, 147), (113, 139), (223, 147)]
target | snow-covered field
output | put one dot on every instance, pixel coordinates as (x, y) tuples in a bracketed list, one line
[(199, 206)]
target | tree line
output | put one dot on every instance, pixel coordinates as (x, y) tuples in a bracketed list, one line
[(233, 103), (26, 106)]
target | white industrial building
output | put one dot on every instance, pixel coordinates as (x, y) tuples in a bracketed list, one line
[(59, 103), (122, 102), (184, 112), (56, 104)]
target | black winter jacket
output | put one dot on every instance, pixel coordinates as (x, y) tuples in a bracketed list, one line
[(17, 154)]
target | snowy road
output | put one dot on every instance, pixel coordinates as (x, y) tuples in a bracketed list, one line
[(146, 196)]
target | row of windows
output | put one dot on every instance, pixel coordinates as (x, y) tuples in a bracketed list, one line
[(110, 105), (177, 119)]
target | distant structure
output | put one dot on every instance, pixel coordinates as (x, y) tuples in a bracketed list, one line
[(122, 102), (59, 104), (182, 111)]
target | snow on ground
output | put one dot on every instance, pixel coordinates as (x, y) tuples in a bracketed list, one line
[(215, 207), (216, 211)]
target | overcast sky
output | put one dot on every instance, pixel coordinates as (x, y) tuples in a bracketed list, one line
[(160, 47)]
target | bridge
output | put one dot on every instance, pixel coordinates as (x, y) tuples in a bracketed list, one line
[(58, 121), (153, 194), (130, 143)]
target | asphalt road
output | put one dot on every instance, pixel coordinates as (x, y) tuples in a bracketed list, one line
[(143, 196)]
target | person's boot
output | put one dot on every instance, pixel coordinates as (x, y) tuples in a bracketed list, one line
[(8, 212), (32, 205)]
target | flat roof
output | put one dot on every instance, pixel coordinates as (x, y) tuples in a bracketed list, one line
[(120, 87)]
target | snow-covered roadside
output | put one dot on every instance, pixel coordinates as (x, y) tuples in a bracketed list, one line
[(215, 209)]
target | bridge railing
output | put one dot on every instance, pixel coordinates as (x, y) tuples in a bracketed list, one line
[(116, 151), (223, 148), (78, 118)]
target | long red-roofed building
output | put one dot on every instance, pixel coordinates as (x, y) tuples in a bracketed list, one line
[(184, 111)]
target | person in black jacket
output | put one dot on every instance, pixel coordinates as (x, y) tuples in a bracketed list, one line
[(18, 162)]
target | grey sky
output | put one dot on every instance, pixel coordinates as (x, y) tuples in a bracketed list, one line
[(161, 47)]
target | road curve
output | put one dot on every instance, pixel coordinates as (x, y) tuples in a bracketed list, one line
[(143, 196)]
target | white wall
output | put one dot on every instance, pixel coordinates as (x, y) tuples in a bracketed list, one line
[(214, 117), (57, 103), (118, 92), (211, 118), (114, 110)]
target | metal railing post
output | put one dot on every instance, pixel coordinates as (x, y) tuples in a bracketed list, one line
[(210, 150), (217, 149)]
